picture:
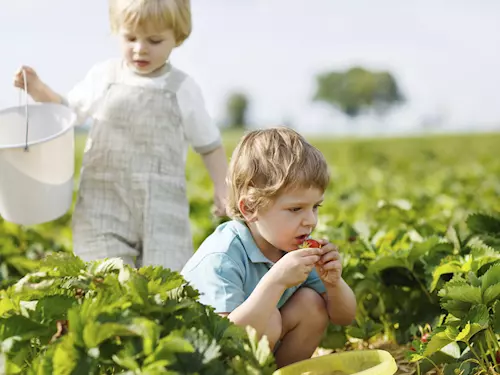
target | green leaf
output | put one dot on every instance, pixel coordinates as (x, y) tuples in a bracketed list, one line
[(469, 330), (440, 339), (420, 249), (167, 347), (483, 223), (52, 308), (148, 330), (68, 360), (464, 293), (443, 269), (260, 348), (6, 306), (20, 326), (63, 264), (479, 314), (491, 294), (107, 266), (386, 262), (457, 308), (452, 350), (94, 333)]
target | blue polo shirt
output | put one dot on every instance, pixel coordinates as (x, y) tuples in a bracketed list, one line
[(228, 266)]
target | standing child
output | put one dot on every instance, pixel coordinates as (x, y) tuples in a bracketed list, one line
[(252, 268), (132, 199)]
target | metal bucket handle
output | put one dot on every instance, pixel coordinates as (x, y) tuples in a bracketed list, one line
[(26, 148)]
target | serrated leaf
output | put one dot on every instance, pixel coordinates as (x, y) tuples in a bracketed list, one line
[(52, 308), (457, 308), (260, 348), (483, 223), (443, 269), (420, 249), (20, 326), (440, 339), (479, 314), (167, 347), (469, 330), (491, 277), (63, 264), (148, 330), (94, 333), (107, 266), (68, 360), (491, 294), (464, 293)]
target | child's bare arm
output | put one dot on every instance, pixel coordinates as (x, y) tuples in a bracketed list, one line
[(259, 307), (340, 302), (216, 164), (289, 271)]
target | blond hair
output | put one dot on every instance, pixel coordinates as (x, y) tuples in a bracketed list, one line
[(266, 163), (152, 15)]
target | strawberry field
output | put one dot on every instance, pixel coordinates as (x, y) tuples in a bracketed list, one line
[(418, 224)]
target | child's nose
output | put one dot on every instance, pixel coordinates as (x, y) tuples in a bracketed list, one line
[(140, 48), (309, 219)]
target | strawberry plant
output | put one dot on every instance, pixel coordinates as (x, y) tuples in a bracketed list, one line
[(471, 300), (104, 317), (21, 250)]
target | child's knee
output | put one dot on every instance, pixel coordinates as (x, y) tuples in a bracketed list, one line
[(314, 307)]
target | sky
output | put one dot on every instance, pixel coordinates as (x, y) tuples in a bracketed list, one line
[(445, 55)]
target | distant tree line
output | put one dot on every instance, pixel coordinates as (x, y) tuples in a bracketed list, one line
[(354, 92)]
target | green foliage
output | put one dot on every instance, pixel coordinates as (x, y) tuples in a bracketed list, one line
[(237, 110), (471, 302), (400, 212), (105, 317), (357, 89)]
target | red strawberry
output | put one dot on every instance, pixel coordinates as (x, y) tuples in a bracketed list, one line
[(425, 338), (310, 243)]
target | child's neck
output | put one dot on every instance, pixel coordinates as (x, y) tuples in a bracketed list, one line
[(269, 251)]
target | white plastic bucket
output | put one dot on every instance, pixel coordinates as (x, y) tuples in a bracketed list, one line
[(36, 162)]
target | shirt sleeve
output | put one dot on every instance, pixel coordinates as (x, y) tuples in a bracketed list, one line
[(83, 97), (200, 130), (314, 282), (220, 282)]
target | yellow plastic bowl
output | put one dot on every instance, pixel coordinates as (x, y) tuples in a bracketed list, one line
[(360, 362)]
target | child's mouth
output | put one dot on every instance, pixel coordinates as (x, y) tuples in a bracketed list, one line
[(302, 238), (141, 63)]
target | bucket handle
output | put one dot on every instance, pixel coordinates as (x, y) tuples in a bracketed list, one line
[(26, 148)]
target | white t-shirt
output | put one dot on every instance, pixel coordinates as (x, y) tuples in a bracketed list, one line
[(199, 129)]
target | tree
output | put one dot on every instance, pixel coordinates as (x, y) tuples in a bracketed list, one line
[(358, 89), (237, 109)]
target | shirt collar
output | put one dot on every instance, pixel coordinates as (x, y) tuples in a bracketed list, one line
[(251, 248)]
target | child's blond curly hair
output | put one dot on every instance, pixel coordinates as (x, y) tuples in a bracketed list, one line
[(154, 15), (268, 162)]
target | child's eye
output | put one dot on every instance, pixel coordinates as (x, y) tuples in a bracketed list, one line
[(317, 206), (155, 41), (294, 209), (130, 38)]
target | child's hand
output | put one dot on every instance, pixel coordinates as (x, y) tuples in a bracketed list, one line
[(294, 267), (329, 266), (219, 208), (35, 85)]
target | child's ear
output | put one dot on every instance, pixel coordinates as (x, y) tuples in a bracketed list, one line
[(248, 214)]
